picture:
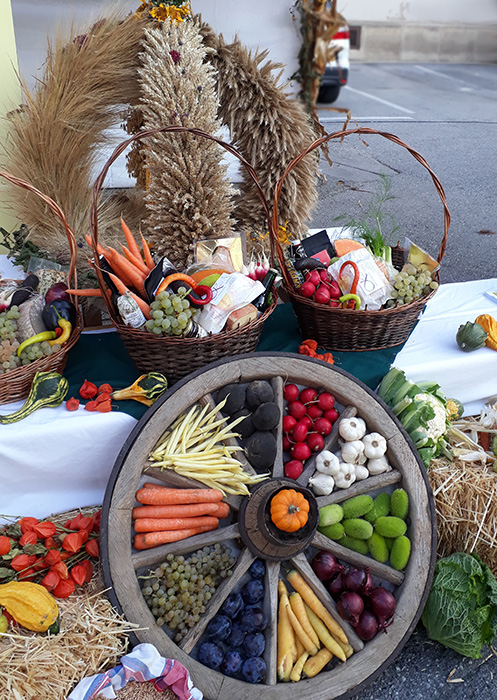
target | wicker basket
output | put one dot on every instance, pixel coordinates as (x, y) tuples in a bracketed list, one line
[(15, 384), (348, 329), (177, 357)]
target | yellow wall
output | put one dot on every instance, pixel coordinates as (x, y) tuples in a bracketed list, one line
[(10, 92)]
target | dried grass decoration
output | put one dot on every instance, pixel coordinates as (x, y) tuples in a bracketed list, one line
[(92, 638), (466, 505)]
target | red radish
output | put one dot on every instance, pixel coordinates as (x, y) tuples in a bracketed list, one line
[(290, 392), (322, 295), (313, 411), (315, 442), (350, 606), (331, 415), (335, 290), (307, 290), (293, 469), (300, 451), (308, 395), (334, 304), (313, 277), (326, 401), (296, 409), (287, 445), (322, 426), (367, 627), (325, 565), (325, 275), (300, 431), (289, 422), (308, 421)]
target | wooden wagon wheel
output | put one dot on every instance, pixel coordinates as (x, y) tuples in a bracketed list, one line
[(122, 562)]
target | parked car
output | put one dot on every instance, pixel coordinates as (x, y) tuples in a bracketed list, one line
[(337, 70)]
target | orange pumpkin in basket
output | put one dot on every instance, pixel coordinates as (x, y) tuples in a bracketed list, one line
[(289, 510)]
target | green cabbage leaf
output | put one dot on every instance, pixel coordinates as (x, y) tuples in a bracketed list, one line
[(461, 610)]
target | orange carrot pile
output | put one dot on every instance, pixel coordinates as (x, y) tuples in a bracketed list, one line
[(171, 514), (130, 268)]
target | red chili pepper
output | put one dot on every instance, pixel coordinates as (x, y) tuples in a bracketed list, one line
[(355, 281), (72, 404), (88, 390), (58, 332), (201, 289)]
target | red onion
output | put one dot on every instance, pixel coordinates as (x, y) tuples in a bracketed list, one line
[(350, 606), (355, 580), (382, 604), (367, 627), (57, 291), (325, 566), (369, 585), (335, 586)]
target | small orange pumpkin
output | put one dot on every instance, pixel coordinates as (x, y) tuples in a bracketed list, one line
[(289, 510)]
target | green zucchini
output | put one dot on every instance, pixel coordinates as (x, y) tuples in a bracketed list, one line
[(48, 390)]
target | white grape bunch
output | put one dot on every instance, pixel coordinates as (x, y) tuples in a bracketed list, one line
[(171, 314), (410, 284)]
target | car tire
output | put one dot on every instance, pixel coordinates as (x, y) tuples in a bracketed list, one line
[(328, 93)]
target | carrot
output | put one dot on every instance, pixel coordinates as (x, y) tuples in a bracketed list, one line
[(137, 262), (220, 510), (100, 249), (85, 292), (122, 289), (162, 524), (146, 253), (130, 240), (147, 540), (127, 271), (157, 497)]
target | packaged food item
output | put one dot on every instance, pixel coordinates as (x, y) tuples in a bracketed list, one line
[(229, 293), (373, 287), (130, 312)]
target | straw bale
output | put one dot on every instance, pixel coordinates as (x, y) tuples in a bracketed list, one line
[(466, 506)]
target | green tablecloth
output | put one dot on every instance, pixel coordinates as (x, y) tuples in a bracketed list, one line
[(102, 358)]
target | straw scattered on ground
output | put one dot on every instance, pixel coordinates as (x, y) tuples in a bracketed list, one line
[(466, 505)]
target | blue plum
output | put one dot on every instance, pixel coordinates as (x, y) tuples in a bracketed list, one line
[(253, 591), (232, 606), (219, 628), (210, 655), (254, 644), (254, 670), (232, 663)]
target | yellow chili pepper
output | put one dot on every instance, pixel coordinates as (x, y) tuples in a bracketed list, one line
[(66, 332), (38, 338)]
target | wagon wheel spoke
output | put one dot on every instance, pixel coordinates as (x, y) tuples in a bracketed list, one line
[(244, 561), (329, 443), (278, 469), (149, 557), (372, 483), (358, 560), (304, 568), (270, 607)]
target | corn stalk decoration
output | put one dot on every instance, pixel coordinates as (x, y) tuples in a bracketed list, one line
[(319, 22)]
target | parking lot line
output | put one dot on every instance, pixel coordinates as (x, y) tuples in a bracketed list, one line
[(378, 99), (366, 119)]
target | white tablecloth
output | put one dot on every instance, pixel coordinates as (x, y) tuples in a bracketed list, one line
[(432, 352)]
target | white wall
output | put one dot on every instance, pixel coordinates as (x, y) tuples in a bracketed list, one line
[(424, 11)]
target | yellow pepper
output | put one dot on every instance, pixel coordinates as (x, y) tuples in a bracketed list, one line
[(66, 332), (38, 338)]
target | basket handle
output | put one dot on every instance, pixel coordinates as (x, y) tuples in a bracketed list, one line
[(339, 135), (152, 132), (72, 274)]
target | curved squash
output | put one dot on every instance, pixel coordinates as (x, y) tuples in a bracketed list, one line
[(454, 409), (48, 390), (471, 336), (489, 325), (146, 389), (30, 604)]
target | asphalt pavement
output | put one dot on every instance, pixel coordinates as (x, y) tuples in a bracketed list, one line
[(448, 114)]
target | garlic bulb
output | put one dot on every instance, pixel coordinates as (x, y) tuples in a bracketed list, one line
[(321, 484), (361, 472), (352, 428), (375, 445), (346, 476), (378, 466), (327, 463), (353, 452)]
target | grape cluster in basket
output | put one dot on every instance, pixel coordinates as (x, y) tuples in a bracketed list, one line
[(171, 314), (413, 282)]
